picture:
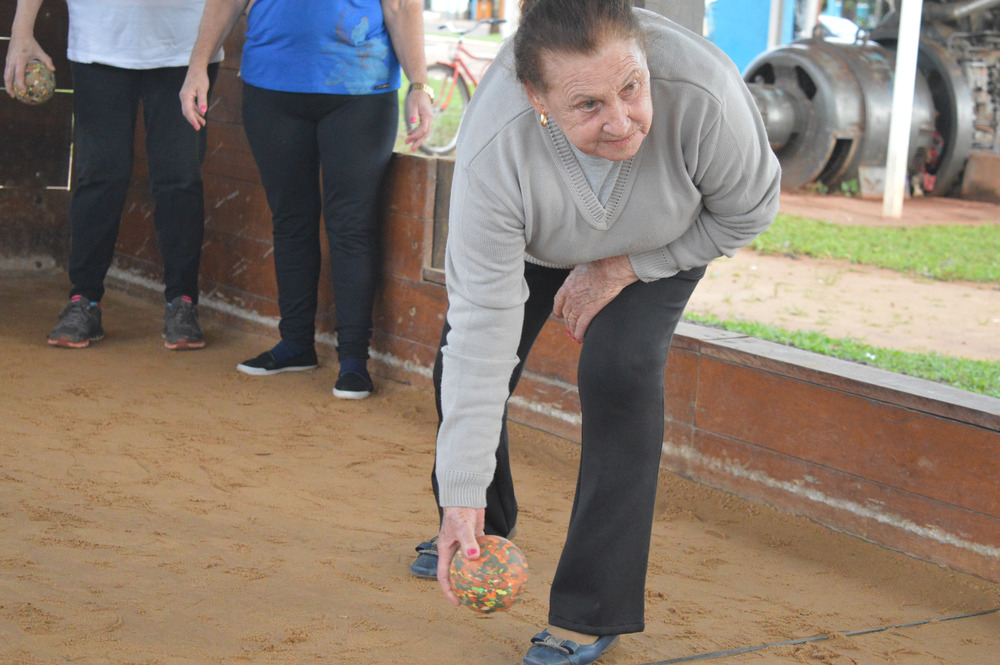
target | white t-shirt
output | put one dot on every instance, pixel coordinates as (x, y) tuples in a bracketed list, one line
[(134, 34)]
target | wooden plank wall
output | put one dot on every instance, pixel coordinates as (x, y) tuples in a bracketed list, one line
[(236, 268), (902, 462)]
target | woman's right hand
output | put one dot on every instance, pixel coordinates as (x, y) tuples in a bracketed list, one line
[(20, 51), (217, 22), (194, 96), (587, 289), (459, 528)]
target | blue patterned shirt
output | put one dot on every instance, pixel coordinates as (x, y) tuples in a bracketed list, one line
[(327, 46)]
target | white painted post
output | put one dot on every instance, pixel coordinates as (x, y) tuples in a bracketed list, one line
[(902, 107), (774, 25), (807, 13), (512, 14)]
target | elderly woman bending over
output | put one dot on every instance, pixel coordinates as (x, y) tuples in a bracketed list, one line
[(608, 156)]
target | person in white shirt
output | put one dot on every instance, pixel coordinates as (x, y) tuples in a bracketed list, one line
[(124, 54)]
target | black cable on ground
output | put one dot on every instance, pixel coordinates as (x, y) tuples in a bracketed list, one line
[(817, 638)]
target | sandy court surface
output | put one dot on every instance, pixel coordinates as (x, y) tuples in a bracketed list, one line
[(875, 306), (160, 507)]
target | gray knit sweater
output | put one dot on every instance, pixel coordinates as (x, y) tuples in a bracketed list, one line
[(703, 184)]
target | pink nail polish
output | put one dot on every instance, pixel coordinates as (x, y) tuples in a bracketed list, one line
[(473, 553)]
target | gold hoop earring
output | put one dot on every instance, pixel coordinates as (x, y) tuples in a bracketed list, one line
[(543, 119)]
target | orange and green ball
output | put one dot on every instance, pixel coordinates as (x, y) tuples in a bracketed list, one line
[(495, 580)]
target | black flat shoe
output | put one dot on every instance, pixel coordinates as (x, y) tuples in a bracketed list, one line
[(351, 385), (547, 649)]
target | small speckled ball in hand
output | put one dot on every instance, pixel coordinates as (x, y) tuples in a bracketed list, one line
[(40, 84), (495, 580)]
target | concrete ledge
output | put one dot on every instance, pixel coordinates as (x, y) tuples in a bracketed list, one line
[(903, 462)]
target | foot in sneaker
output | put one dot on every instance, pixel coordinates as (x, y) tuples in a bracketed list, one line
[(181, 330), (425, 566), (353, 385), (79, 324), (266, 363)]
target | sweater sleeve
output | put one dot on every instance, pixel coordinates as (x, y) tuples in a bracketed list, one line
[(484, 270), (739, 178)]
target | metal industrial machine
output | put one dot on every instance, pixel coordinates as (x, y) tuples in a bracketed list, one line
[(827, 105)]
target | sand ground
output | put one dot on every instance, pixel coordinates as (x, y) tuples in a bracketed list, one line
[(876, 306), (161, 508), (842, 300)]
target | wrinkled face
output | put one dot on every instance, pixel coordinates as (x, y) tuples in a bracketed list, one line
[(600, 101)]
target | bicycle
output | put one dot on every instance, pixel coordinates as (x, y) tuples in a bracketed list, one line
[(450, 81)]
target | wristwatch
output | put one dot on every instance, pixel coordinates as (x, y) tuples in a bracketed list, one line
[(422, 86)]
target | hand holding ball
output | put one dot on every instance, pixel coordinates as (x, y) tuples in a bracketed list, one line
[(495, 580), (40, 84)]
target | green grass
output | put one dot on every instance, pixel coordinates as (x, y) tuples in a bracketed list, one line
[(977, 376), (947, 252), (446, 124)]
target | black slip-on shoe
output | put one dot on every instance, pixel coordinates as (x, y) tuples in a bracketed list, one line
[(266, 364)]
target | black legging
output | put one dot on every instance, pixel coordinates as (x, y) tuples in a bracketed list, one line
[(106, 103), (599, 586), (348, 139)]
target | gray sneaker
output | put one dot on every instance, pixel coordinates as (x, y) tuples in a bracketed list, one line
[(181, 329), (79, 324)]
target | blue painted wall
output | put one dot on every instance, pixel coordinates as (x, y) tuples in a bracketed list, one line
[(739, 27)]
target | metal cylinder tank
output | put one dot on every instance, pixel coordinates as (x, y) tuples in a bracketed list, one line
[(827, 108), (943, 62)]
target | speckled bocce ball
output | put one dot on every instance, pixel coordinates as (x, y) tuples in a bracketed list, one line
[(495, 580), (40, 82)]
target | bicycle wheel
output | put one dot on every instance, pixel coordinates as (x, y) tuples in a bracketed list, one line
[(451, 97)]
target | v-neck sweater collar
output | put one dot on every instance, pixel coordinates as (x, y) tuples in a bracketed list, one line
[(600, 216)]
